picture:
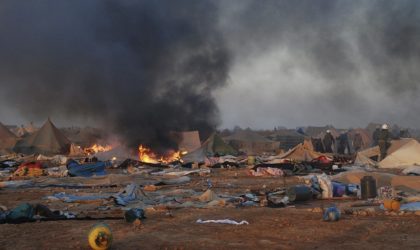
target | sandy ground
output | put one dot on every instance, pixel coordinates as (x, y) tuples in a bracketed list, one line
[(269, 228)]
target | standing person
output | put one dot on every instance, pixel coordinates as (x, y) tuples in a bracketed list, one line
[(375, 136), (343, 143), (357, 142), (383, 141), (318, 146), (329, 142)]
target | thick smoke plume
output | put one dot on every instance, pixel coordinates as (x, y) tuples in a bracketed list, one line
[(140, 68), (144, 68), (337, 62)]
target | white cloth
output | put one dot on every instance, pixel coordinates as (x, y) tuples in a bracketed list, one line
[(225, 221)]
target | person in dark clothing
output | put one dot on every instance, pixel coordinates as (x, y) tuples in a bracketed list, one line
[(357, 142), (329, 142), (343, 143), (317, 143), (383, 142), (375, 136)]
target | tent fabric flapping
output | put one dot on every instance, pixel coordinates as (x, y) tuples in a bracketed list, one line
[(48, 140)]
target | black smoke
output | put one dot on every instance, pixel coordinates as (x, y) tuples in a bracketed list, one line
[(140, 68)]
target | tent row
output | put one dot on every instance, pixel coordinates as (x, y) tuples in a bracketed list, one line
[(48, 140)]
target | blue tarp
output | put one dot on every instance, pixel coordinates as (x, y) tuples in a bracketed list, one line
[(86, 170), (75, 198), (126, 196)]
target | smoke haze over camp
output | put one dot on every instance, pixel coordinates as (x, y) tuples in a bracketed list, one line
[(174, 65)]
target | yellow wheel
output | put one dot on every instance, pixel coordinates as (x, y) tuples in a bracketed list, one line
[(100, 237)]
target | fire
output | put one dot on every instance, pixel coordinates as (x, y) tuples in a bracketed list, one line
[(148, 156), (96, 148)]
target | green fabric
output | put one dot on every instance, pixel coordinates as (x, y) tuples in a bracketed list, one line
[(23, 212), (215, 145)]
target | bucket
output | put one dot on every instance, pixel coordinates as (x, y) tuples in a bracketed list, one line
[(392, 205), (299, 193), (100, 237), (368, 187)]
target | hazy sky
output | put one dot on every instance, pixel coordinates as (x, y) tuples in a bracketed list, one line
[(296, 63)]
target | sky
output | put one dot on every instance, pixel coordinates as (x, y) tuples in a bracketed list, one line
[(284, 63)]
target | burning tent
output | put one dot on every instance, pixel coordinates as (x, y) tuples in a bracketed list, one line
[(48, 140), (7, 138)]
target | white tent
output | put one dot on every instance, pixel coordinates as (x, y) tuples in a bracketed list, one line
[(405, 156)]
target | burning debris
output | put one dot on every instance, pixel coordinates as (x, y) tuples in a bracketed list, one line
[(96, 148), (148, 156)]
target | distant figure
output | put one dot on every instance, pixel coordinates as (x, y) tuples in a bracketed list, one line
[(329, 142), (317, 143), (343, 144), (383, 142), (358, 142), (404, 133), (375, 136)]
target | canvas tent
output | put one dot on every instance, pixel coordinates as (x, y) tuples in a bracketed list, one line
[(20, 131), (76, 150), (7, 138), (288, 138), (213, 146), (370, 156), (48, 140), (250, 142), (189, 141), (301, 152), (366, 138), (405, 156)]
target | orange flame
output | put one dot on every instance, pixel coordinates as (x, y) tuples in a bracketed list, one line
[(148, 156), (96, 148)]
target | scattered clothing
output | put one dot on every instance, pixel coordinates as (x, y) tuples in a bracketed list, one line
[(30, 169)]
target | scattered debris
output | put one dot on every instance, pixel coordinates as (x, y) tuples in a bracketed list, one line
[(225, 221)]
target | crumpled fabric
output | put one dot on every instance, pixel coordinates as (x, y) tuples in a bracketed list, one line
[(267, 172), (126, 196), (86, 170), (75, 198), (224, 221)]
